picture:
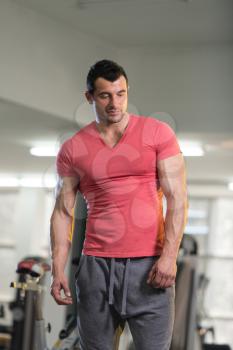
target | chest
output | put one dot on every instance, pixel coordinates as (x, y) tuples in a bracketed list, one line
[(111, 160), (111, 140)]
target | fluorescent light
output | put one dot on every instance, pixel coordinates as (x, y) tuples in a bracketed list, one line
[(28, 181), (230, 186), (50, 182), (9, 182), (191, 148), (38, 182), (44, 151)]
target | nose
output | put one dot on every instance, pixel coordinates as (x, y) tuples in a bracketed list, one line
[(113, 101)]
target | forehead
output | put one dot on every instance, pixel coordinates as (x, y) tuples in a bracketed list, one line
[(102, 84)]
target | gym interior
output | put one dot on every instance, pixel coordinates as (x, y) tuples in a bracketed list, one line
[(178, 55)]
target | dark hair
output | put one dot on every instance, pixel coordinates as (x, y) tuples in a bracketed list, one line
[(106, 69)]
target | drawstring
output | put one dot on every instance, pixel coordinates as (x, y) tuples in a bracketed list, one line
[(111, 284), (125, 284), (125, 287)]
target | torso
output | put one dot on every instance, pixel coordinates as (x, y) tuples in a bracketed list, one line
[(118, 180), (117, 177)]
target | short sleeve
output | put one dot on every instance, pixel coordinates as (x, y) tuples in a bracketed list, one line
[(64, 161), (166, 142)]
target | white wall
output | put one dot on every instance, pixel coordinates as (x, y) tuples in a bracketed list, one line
[(43, 63), (193, 84)]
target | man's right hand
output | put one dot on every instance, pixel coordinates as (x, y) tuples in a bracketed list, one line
[(61, 226), (59, 286)]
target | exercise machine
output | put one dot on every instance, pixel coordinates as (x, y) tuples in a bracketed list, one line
[(30, 290)]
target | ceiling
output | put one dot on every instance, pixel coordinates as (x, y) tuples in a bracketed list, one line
[(123, 23)]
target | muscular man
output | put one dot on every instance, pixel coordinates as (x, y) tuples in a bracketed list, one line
[(122, 164)]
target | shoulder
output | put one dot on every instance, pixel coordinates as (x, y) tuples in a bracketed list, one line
[(148, 120), (70, 150), (152, 126), (77, 138)]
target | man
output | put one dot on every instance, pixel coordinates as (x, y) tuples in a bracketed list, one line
[(122, 164)]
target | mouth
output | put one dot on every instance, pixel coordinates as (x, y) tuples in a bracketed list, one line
[(113, 112)]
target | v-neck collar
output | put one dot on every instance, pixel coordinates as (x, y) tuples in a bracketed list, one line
[(121, 138)]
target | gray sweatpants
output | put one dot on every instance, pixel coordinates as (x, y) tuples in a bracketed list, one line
[(111, 290)]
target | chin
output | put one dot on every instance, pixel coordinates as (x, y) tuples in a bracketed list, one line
[(119, 115), (115, 119)]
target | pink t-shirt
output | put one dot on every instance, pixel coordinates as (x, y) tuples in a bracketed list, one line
[(120, 186)]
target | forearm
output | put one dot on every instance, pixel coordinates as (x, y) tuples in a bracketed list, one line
[(60, 243), (175, 221)]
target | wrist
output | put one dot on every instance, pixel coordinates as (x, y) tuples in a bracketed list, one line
[(169, 255), (170, 249), (57, 270)]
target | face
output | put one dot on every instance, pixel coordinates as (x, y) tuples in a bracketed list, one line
[(109, 100)]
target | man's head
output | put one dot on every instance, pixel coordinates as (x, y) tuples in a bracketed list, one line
[(107, 91), (105, 69)]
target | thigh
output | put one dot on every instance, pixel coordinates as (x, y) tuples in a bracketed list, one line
[(97, 320), (152, 328)]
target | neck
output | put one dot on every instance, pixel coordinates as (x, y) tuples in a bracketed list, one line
[(113, 128)]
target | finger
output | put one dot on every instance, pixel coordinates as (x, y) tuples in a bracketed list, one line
[(67, 300), (60, 300), (66, 290), (158, 281), (67, 294), (56, 293), (151, 273), (63, 301), (164, 281), (170, 282), (150, 276)]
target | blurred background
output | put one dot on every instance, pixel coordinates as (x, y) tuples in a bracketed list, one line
[(178, 55)]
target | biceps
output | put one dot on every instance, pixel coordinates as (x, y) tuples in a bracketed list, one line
[(65, 204), (66, 195)]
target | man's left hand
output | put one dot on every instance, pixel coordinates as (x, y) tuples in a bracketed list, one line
[(163, 272)]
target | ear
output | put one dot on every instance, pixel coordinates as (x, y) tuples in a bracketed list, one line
[(89, 97)]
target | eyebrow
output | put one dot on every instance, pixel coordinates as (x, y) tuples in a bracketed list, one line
[(107, 92)]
